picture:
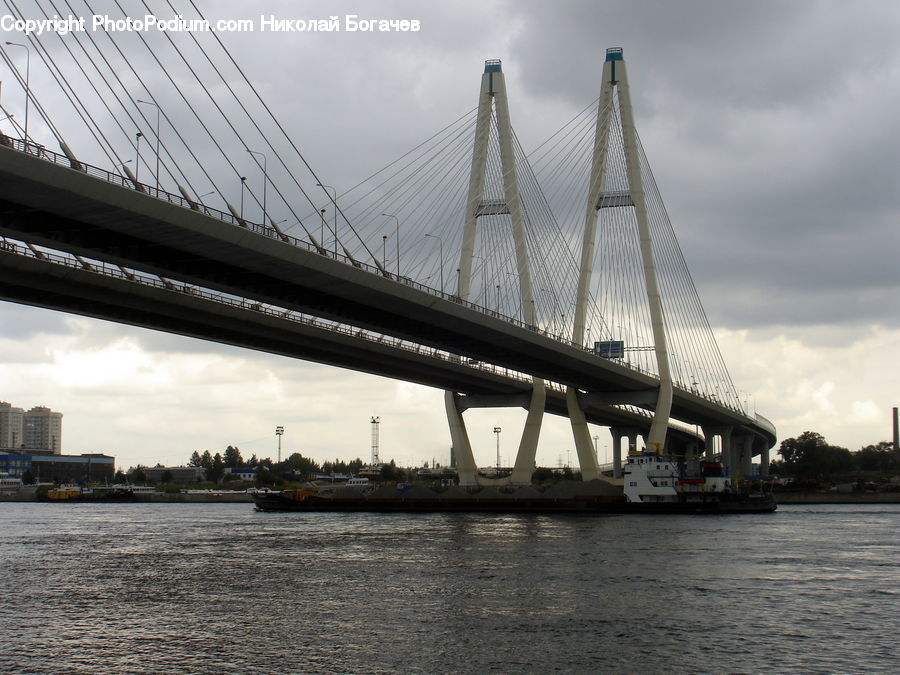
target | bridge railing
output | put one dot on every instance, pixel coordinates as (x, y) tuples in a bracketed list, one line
[(116, 178), (142, 278), (178, 200), (145, 279)]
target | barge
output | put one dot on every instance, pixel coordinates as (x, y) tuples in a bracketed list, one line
[(651, 484)]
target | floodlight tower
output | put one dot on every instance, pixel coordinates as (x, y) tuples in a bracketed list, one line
[(279, 432), (376, 421)]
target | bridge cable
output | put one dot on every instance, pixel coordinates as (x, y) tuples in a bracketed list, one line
[(76, 101), (287, 137), (165, 115), (143, 116), (31, 96), (250, 117), (80, 110)]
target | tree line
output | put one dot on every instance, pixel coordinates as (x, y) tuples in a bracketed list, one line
[(296, 466), (810, 456)]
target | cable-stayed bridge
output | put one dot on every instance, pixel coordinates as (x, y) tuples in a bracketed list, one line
[(481, 294)]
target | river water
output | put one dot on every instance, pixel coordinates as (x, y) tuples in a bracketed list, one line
[(216, 588)]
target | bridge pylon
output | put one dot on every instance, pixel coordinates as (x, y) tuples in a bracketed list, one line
[(615, 80), (493, 105)]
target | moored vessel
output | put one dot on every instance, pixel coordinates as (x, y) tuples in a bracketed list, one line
[(653, 484), (9, 485), (658, 483), (77, 493)]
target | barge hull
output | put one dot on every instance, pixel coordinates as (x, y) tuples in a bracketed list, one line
[(592, 505)]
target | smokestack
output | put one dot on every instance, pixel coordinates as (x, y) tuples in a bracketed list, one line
[(896, 433)]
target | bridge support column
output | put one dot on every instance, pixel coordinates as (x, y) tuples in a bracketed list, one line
[(613, 65), (709, 443), (587, 461), (656, 439), (764, 463), (462, 448), (694, 448), (492, 98), (742, 452), (728, 452), (724, 434), (617, 434), (616, 451), (524, 465), (747, 457), (467, 468), (582, 436)]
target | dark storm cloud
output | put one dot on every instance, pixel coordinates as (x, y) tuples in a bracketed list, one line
[(768, 126), (759, 54), (767, 123)]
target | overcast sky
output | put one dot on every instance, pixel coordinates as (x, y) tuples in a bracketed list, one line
[(771, 129)]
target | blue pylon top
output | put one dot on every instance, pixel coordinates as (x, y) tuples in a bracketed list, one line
[(492, 66), (614, 54)]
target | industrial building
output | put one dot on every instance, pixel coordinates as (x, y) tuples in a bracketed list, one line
[(49, 468)]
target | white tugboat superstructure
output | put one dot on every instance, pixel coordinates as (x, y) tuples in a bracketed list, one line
[(649, 477), (679, 484)]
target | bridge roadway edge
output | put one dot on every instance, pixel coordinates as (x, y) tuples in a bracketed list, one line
[(134, 230), (63, 208), (83, 292)]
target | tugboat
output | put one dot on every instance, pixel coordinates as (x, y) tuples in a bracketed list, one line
[(656, 483)]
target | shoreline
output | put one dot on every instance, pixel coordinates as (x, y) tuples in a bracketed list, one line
[(145, 497), (787, 498), (781, 498)]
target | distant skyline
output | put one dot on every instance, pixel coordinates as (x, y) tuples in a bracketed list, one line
[(770, 130)]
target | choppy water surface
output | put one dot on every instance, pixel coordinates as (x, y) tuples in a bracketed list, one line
[(223, 588)]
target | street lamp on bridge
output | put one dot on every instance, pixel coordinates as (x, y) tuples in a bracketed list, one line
[(397, 235), (265, 179), (334, 201), (27, 80), (157, 137), (137, 155), (515, 274), (441, 244)]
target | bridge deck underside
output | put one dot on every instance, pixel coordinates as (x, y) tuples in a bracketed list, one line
[(79, 291), (65, 209)]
